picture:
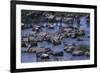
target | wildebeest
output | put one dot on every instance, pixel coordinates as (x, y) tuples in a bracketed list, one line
[(23, 44), (36, 28), (56, 40), (24, 41), (69, 48), (77, 53), (58, 53), (51, 26), (87, 54), (48, 51), (42, 56)]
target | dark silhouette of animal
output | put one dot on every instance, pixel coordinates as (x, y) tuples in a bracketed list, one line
[(58, 54)]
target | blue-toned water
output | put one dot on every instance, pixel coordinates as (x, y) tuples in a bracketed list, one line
[(31, 57)]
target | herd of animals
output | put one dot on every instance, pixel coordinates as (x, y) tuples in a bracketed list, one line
[(29, 43)]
